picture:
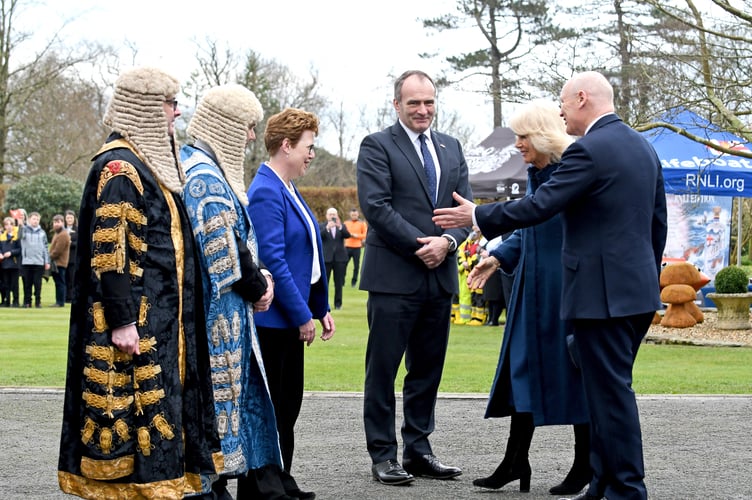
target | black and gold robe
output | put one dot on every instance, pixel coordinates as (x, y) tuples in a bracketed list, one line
[(142, 425)]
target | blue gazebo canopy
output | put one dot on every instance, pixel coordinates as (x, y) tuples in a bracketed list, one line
[(690, 167)]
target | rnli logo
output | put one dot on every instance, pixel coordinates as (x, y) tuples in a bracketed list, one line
[(732, 145)]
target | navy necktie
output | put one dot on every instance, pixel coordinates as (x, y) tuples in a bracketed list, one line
[(429, 166)]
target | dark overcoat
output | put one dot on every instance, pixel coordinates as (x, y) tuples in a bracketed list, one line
[(535, 372)]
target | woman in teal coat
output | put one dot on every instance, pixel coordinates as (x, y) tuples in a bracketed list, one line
[(536, 381)]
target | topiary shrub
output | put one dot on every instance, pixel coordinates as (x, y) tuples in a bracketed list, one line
[(731, 279)]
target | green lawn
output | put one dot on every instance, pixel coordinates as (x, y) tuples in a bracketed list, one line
[(33, 348)]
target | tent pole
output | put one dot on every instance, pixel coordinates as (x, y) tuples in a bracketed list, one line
[(738, 231)]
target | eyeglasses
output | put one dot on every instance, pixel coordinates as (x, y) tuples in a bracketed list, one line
[(174, 103), (310, 149)]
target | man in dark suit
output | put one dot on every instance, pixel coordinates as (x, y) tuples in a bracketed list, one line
[(609, 189), (333, 234), (410, 273)]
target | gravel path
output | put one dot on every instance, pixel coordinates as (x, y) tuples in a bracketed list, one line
[(704, 333), (695, 447)]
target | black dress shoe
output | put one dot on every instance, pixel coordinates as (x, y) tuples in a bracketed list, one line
[(572, 484), (429, 466), (584, 496), (391, 472)]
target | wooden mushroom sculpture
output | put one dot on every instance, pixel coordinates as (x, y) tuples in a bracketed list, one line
[(679, 285)]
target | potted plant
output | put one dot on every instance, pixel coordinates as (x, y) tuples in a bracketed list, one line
[(732, 298)]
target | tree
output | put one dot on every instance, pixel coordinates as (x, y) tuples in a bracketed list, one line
[(329, 170), (24, 84), (511, 28), (43, 140), (48, 194), (338, 120), (714, 61), (663, 55), (274, 84), (700, 59)]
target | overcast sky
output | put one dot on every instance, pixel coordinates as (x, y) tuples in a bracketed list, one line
[(355, 46)]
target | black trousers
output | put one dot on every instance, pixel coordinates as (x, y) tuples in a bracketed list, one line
[(70, 273), (282, 351), (10, 285), (32, 278), (339, 279), (60, 285), (416, 326), (354, 255)]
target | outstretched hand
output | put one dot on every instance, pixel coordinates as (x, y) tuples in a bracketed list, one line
[(459, 216), (481, 272)]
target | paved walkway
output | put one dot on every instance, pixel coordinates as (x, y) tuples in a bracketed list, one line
[(695, 448)]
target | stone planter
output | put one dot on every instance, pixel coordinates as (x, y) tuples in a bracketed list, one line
[(733, 310)]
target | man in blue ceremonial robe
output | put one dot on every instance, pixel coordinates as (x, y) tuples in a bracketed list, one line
[(234, 286)]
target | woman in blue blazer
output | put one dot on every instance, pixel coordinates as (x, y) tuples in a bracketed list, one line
[(289, 243)]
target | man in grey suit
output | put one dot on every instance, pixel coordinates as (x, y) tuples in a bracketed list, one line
[(409, 270), (609, 189)]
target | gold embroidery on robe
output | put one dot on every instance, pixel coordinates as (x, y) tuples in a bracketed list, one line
[(97, 314), (106, 469), (117, 237), (144, 441), (147, 398), (142, 310), (122, 430), (137, 244), (105, 440), (179, 246), (109, 378), (164, 427), (112, 355), (88, 431), (147, 372), (124, 212), (170, 489), (107, 404), (118, 168)]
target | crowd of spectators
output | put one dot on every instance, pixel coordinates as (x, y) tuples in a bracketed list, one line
[(27, 253)]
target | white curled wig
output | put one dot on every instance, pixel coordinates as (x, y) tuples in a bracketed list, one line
[(222, 120), (137, 113)]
